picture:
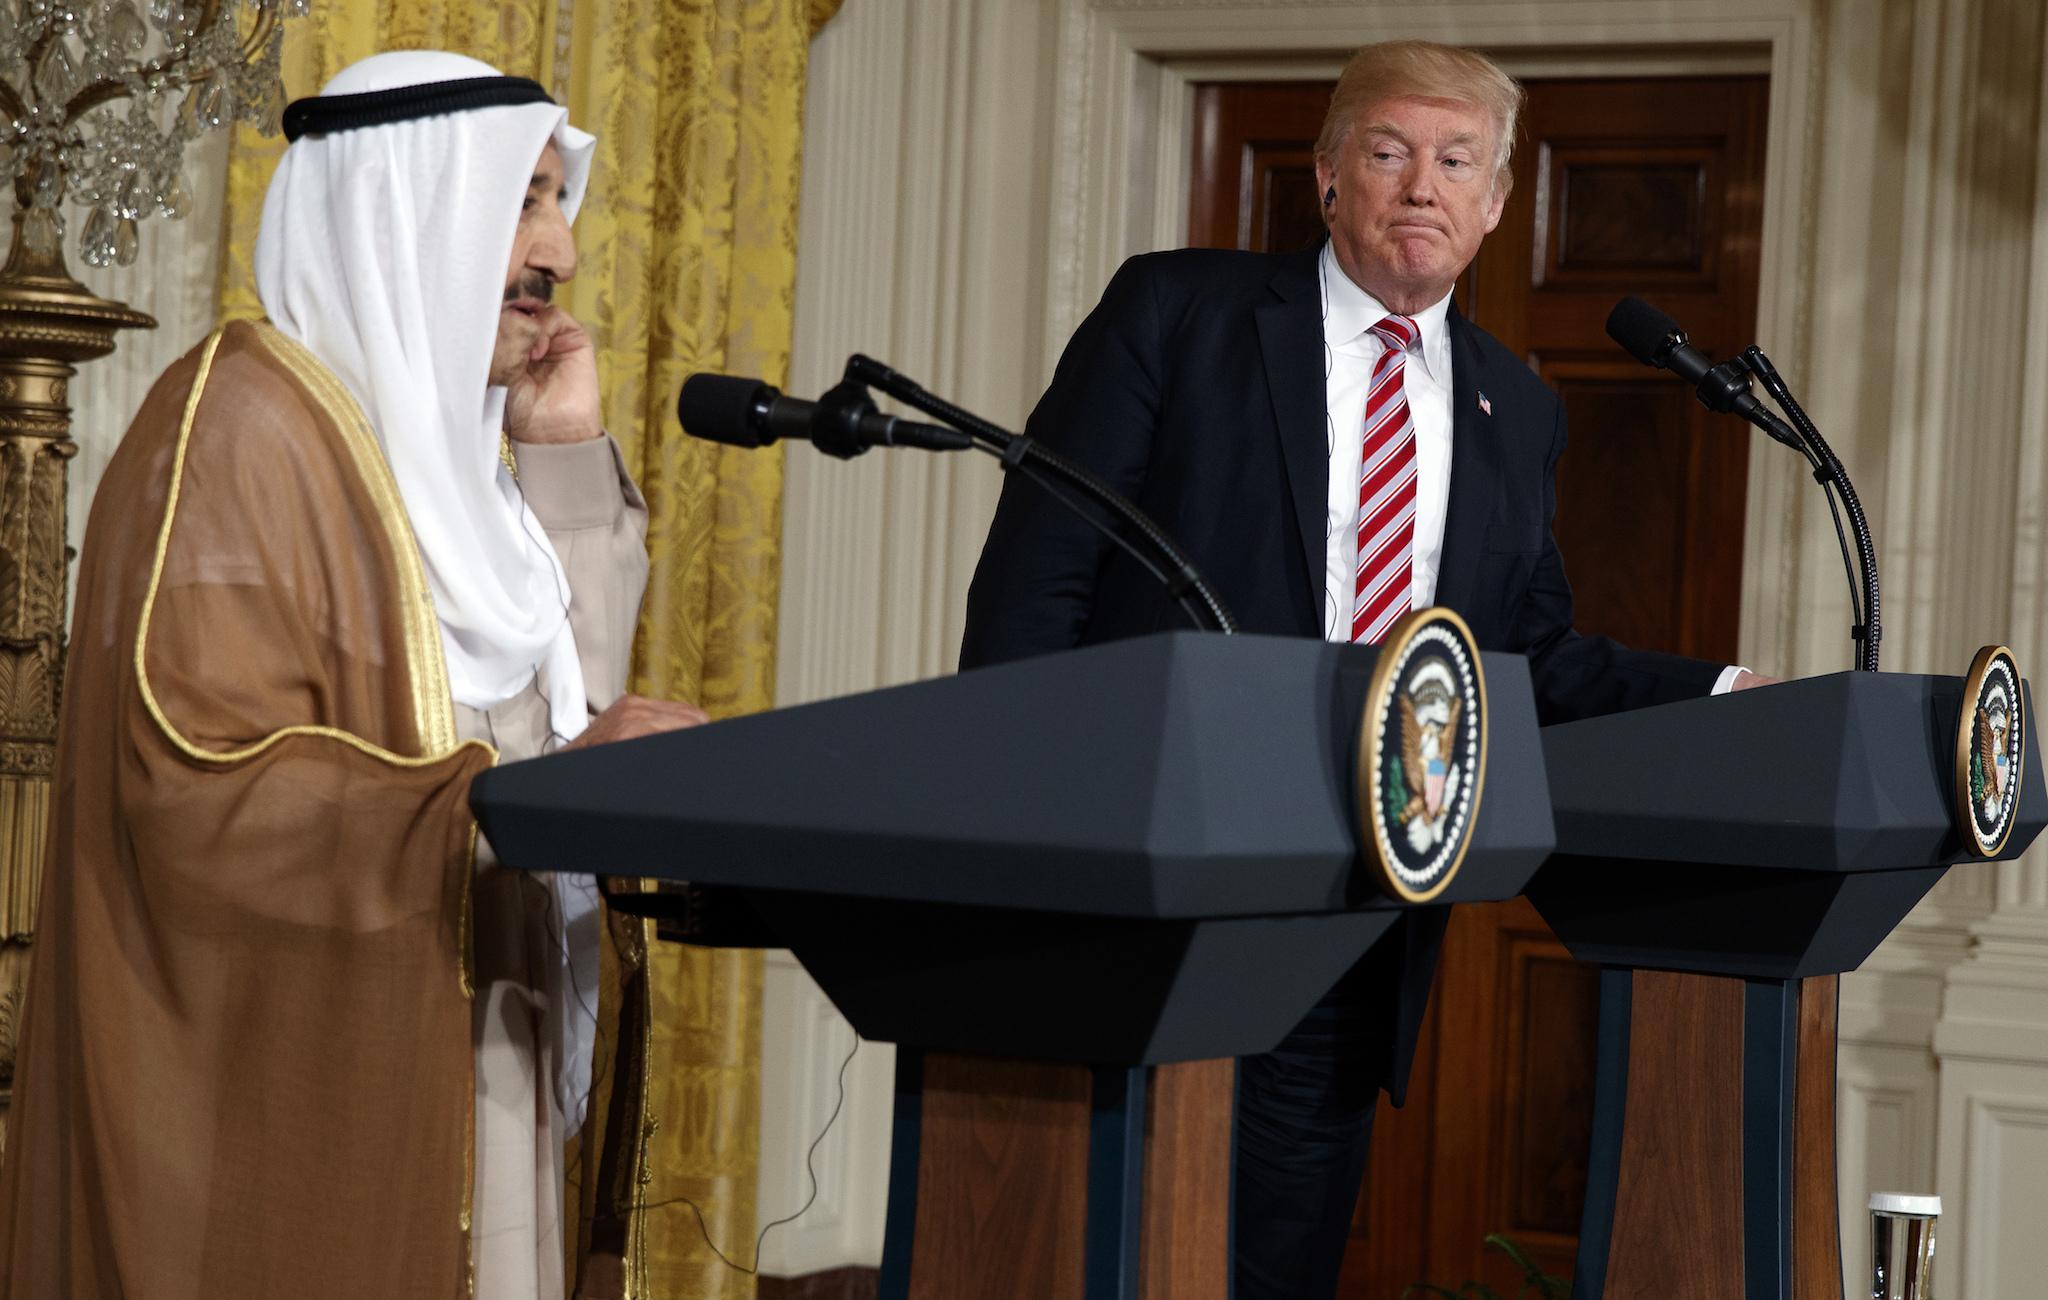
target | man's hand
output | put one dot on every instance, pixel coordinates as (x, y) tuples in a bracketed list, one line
[(1747, 680), (633, 716), (554, 397)]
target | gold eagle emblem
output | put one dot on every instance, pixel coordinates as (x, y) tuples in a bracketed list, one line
[(1990, 747), (1990, 751), (1421, 743)]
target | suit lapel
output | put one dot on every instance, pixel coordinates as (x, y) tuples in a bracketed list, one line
[(1291, 341), (1475, 470)]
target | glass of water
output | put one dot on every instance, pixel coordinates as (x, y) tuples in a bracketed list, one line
[(1902, 1246)]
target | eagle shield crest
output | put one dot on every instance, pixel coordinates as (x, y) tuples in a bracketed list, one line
[(1422, 753), (1990, 751)]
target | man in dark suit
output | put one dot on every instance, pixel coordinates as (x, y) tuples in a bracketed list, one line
[(1333, 444)]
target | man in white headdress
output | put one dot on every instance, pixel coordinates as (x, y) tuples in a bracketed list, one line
[(291, 1030)]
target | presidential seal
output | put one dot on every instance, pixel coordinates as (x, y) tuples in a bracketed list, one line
[(1990, 751), (1421, 754)]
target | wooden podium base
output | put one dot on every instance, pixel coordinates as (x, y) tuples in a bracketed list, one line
[(1711, 1172), (1712, 1169), (1017, 1180)]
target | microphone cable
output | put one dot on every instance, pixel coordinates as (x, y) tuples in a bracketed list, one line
[(810, 1170)]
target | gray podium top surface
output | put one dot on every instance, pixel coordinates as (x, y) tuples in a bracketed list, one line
[(1849, 772), (1172, 776)]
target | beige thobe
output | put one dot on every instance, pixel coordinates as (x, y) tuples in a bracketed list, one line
[(597, 522)]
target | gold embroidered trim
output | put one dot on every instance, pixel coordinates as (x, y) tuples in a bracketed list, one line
[(639, 1271), (506, 458), (156, 572), (434, 709), (414, 594), (469, 1192)]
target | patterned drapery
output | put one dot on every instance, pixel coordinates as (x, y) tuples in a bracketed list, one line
[(687, 243)]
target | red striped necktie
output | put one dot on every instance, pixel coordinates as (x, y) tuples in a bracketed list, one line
[(1386, 490)]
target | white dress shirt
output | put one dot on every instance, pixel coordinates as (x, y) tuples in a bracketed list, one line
[(1350, 351)]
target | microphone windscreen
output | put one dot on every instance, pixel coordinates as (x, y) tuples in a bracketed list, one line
[(720, 408), (1643, 331)]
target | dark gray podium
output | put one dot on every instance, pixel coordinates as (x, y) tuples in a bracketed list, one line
[(1041, 879), (1723, 860)]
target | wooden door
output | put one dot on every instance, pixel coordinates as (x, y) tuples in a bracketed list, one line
[(1610, 198)]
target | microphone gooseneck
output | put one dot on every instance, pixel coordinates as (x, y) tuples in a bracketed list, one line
[(743, 412), (1026, 454), (1866, 546), (1654, 339)]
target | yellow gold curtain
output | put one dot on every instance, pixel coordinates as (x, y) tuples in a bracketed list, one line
[(687, 242)]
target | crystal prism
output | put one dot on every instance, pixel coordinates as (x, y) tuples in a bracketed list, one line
[(174, 200), (120, 162), (125, 28), (128, 198), (48, 189), (97, 244), (41, 232), (58, 77), (214, 103)]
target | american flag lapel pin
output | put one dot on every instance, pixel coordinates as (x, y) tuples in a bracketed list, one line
[(1485, 405)]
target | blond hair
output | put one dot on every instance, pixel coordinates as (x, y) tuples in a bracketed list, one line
[(1423, 69)]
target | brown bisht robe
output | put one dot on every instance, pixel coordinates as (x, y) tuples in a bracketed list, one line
[(246, 1062)]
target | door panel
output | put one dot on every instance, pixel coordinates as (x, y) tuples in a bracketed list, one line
[(1254, 182)]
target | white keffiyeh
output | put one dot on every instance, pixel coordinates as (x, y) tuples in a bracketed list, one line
[(385, 251)]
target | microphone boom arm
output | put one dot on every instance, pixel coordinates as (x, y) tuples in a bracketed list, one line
[(1868, 628), (1026, 455), (1655, 339)]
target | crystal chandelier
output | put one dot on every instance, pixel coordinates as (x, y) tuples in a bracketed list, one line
[(102, 96)]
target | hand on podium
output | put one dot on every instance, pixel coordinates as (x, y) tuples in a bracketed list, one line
[(1746, 680), (633, 716)]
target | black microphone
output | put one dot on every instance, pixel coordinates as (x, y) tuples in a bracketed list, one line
[(1654, 339), (844, 423)]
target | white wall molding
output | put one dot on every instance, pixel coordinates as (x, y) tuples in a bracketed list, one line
[(1887, 1102), (1997, 1169), (1970, 197), (1969, 482), (924, 201), (923, 196)]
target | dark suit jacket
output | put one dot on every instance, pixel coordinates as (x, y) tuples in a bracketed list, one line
[(1196, 389)]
